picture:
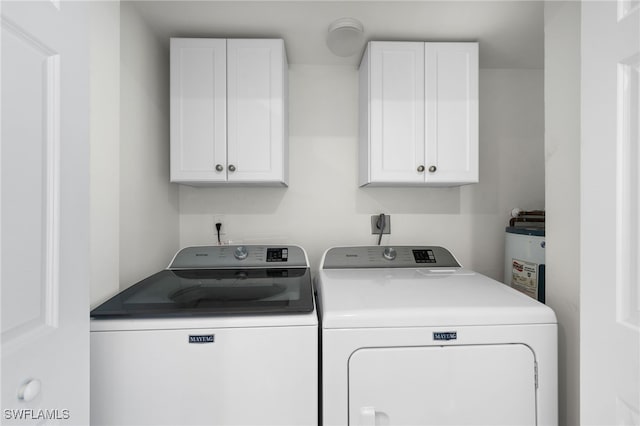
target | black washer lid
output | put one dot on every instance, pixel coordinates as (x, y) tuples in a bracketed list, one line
[(184, 293)]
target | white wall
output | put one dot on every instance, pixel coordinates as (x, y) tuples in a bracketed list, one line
[(562, 151), (324, 206), (105, 148), (139, 220), (148, 202)]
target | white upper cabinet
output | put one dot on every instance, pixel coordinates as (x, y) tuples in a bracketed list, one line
[(229, 119), (392, 118), (198, 110), (419, 114), (451, 119)]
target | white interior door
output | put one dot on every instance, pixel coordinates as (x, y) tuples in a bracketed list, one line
[(610, 214), (44, 213), (449, 385)]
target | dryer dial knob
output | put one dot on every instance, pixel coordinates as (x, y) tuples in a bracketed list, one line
[(241, 253), (389, 253)]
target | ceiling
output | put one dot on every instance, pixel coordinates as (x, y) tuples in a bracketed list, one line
[(510, 33)]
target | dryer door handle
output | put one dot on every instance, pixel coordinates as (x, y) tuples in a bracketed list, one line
[(367, 416)]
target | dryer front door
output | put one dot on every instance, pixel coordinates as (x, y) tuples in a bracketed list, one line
[(443, 385)]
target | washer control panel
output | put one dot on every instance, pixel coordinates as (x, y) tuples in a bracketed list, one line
[(389, 253), (240, 256), (388, 257), (240, 253), (280, 254)]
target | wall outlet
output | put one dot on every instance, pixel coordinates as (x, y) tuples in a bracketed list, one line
[(375, 230), (219, 219)]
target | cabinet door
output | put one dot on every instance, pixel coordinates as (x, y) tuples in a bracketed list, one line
[(198, 110), (448, 385), (451, 113), (396, 112), (256, 83)]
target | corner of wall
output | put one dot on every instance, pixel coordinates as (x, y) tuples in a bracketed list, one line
[(562, 164), (105, 151), (149, 222)]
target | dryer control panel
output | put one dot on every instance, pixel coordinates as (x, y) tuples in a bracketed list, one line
[(388, 257)]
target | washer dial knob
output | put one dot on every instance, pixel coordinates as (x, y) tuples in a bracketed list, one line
[(389, 253), (240, 253)]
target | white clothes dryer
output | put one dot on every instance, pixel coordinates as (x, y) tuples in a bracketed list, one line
[(409, 337)]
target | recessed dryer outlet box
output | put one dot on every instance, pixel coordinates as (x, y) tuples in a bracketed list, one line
[(375, 230)]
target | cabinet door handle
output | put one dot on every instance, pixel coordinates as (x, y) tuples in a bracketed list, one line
[(421, 168), (232, 168), (432, 169), (219, 168)]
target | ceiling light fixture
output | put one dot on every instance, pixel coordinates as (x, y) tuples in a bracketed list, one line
[(345, 37)]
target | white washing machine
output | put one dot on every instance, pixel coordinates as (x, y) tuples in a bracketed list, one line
[(409, 337), (227, 335)]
